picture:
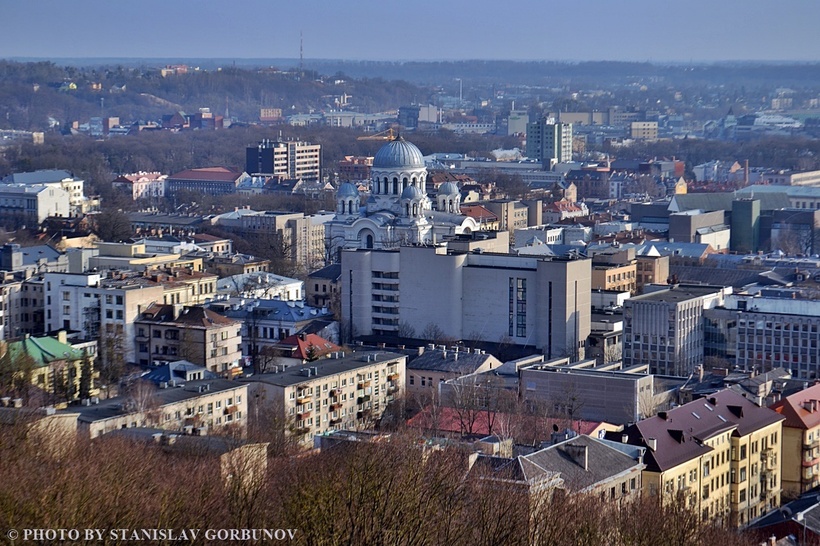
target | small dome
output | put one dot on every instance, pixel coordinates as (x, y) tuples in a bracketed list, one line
[(398, 154), (412, 192), (347, 190), (448, 188)]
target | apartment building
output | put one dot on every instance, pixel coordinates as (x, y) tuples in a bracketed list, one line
[(196, 334), (341, 392), (301, 238), (197, 406), (651, 269), (549, 142), (615, 271), (664, 329), (94, 305), (11, 305), (721, 456), (285, 159), (800, 466)]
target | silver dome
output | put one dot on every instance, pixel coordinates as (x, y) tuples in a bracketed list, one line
[(448, 188), (412, 192), (347, 190), (398, 154)]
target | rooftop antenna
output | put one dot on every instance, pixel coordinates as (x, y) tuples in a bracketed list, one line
[(301, 54)]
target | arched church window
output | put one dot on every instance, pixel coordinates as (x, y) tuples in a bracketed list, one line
[(368, 241), (415, 209), (407, 209), (395, 185)]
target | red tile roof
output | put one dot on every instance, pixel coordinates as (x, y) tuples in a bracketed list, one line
[(303, 342), (801, 409), (479, 212)]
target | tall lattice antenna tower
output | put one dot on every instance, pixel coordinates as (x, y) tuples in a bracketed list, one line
[(301, 53)]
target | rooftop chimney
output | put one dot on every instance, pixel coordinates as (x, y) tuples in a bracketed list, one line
[(579, 454)]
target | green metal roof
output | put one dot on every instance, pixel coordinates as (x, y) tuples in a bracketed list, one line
[(44, 350)]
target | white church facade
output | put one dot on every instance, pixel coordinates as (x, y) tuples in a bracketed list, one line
[(398, 210)]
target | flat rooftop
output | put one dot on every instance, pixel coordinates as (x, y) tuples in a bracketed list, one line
[(678, 294), (117, 406), (326, 367)]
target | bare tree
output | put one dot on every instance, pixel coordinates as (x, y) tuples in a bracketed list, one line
[(141, 399)]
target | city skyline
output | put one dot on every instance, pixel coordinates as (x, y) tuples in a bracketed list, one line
[(754, 30)]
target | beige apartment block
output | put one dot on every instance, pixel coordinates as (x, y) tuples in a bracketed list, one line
[(337, 393)]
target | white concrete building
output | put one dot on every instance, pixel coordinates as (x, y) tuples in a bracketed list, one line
[(56, 178), (539, 302), (91, 304), (22, 204)]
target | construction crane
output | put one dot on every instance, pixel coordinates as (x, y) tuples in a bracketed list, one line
[(384, 135)]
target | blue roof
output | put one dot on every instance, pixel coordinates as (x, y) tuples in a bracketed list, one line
[(398, 154), (33, 254)]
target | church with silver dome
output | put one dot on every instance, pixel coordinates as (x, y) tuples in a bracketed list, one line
[(398, 210)]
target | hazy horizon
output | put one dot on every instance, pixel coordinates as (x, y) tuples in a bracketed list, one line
[(425, 30)]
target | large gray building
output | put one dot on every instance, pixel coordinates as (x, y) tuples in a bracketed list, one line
[(664, 329), (582, 392), (524, 300)]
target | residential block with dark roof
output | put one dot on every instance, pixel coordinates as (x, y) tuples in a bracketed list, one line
[(801, 440), (579, 465), (720, 455), (196, 334)]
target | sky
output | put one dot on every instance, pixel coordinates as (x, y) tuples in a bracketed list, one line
[(579, 30)]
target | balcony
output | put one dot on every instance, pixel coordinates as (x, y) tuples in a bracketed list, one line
[(336, 406), (336, 421), (364, 414), (811, 444), (392, 376), (392, 389), (334, 393), (302, 398), (363, 399), (302, 416), (301, 431), (363, 384)]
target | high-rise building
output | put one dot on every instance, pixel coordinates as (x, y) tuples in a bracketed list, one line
[(288, 160), (549, 142)]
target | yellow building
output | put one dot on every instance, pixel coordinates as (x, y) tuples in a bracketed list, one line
[(52, 366), (801, 441), (720, 456)]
